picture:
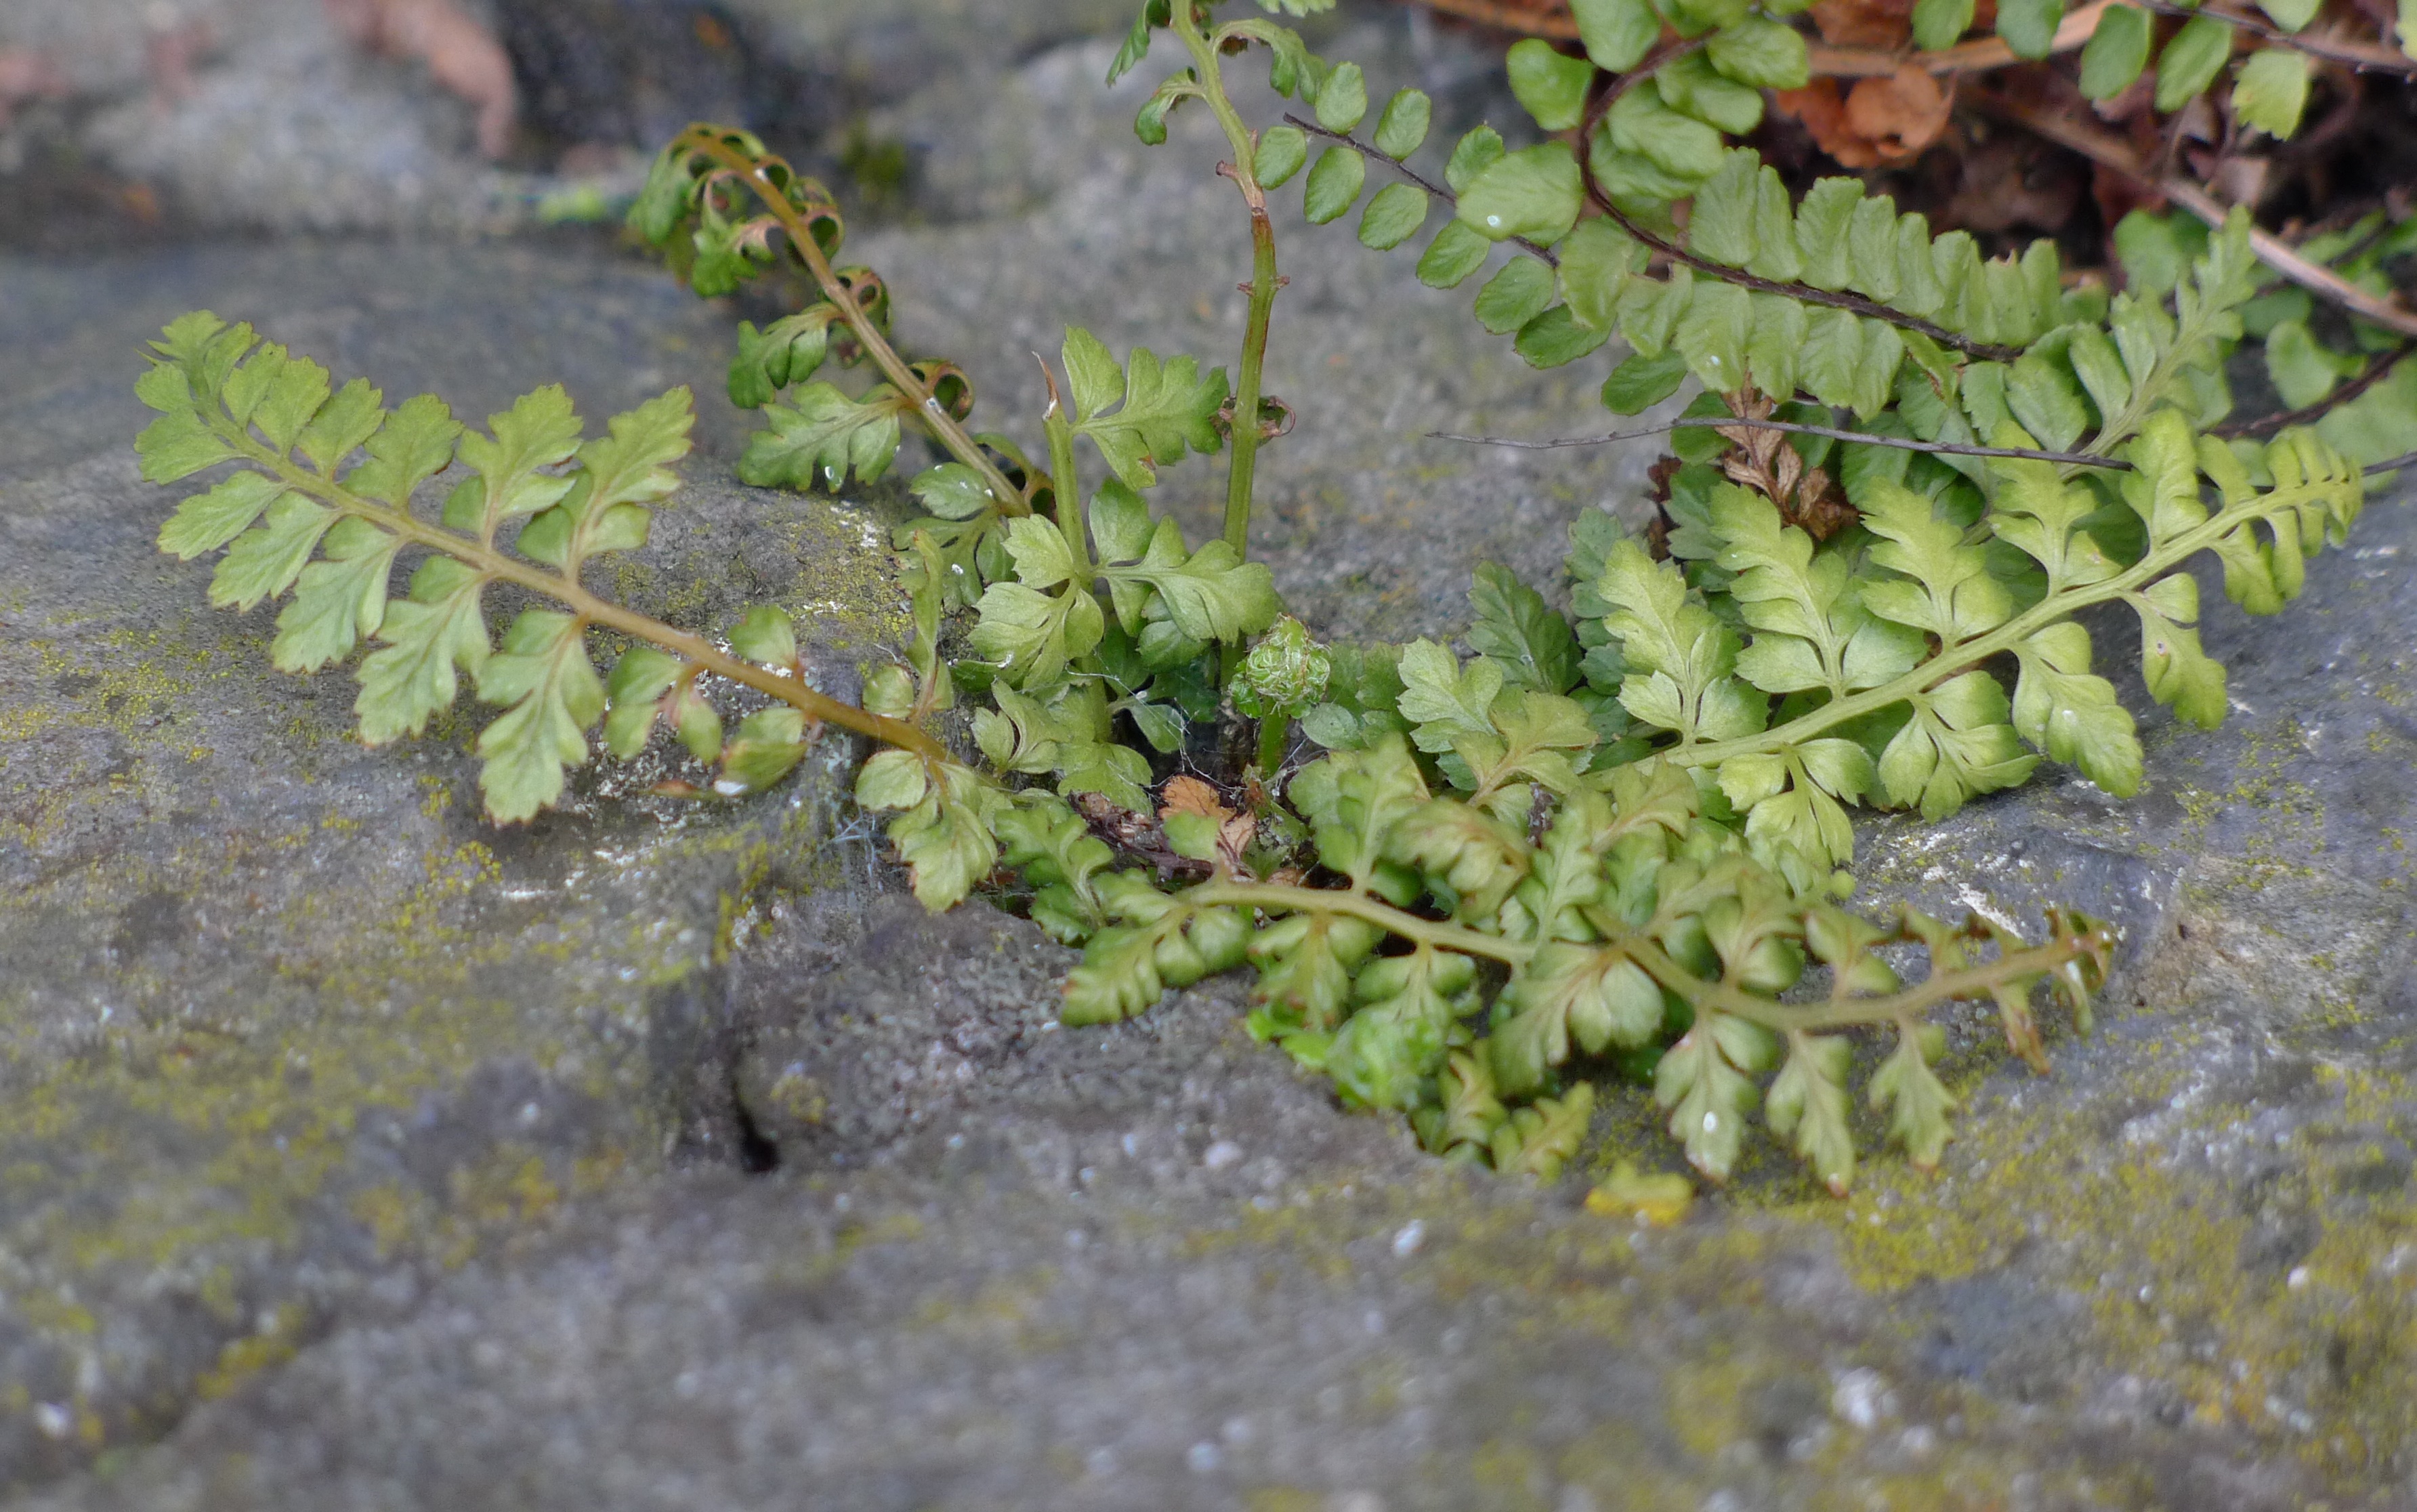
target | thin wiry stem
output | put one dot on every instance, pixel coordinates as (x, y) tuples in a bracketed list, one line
[(2306, 414), (1622, 83), (1803, 292), (2271, 249), (1278, 898), (2349, 54), (1901, 443), (1618, 86)]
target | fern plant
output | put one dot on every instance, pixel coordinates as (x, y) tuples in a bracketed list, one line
[(2027, 451), (1604, 843)]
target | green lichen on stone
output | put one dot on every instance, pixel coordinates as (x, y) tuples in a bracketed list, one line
[(246, 942)]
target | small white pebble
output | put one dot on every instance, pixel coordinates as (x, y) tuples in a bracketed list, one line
[(1409, 1237), (1204, 1457), (1860, 1397), (1220, 1155), (2297, 1278)]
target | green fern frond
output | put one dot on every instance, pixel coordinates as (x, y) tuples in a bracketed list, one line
[(299, 515), (1635, 919)]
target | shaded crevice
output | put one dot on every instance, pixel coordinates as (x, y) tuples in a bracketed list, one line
[(757, 1155)]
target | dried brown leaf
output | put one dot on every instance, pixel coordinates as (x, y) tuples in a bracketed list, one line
[(2010, 180), (1823, 111), (1190, 795), (1885, 120), (1887, 24), (1821, 508), (1234, 837), (1807, 497), (1899, 115)]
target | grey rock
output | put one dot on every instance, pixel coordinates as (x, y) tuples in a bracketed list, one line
[(262, 114), (284, 1019), (98, 48), (479, 323), (630, 73), (857, 53), (258, 114)]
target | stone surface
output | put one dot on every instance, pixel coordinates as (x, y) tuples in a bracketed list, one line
[(282, 1016), (240, 114), (355, 1154), (161, 117)]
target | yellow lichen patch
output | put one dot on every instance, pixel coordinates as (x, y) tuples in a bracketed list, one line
[(242, 1358), (1511, 1475), (808, 1272), (263, 1110), (1966, 1478), (2142, 1229), (1001, 1311), (122, 680), (249, 960), (1621, 1465), (54, 1312), (1705, 1407), (1660, 1199), (503, 1194), (395, 1214), (1552, 1282), (507, 1188), (598, 1172)]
